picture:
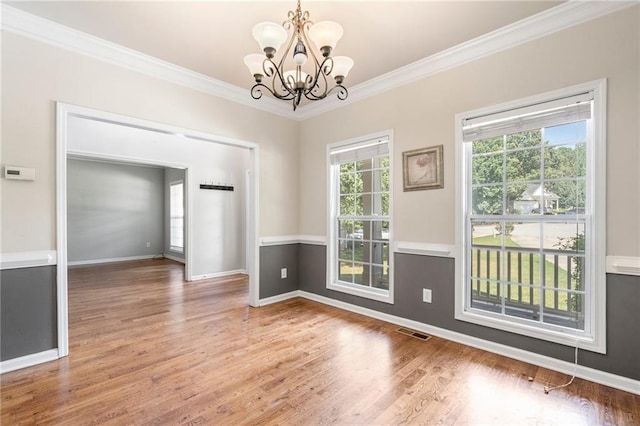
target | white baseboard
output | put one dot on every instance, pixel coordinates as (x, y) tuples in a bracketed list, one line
[(279, 298), (174, 258), (597, 376), (217, 274), (111, 260), (28, 360)]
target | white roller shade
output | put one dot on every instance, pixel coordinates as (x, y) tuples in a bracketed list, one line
[(359, 151), (547, 114)]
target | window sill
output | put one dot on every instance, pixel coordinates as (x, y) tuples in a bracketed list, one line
[(562, 336), (176, 250), (385, 296)]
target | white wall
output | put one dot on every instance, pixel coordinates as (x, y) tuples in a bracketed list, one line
[(218, 226), (36, 75), (422, 114), (113, 210)]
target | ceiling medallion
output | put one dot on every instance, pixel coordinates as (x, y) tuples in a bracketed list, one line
[(293, 84)]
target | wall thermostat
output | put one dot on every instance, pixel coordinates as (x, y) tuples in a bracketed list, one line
[(19, 173)]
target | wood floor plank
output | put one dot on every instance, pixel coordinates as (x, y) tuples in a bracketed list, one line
[(146, 347)]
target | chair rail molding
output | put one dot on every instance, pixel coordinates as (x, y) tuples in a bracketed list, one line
[(624, 265), (29, 259)]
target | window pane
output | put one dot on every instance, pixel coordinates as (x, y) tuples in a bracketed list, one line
[(487, 200), (345, 271), (364, 164), (380, 253), (488, 168), (380, 204), (526, 139), (565, 161), (564, 308), (571, 195), (519, 201), (572, 132), (345, 228), (566, 236), (361, 251), (524, 165), (486, 233), (361, 274), (528, 307), (380, 278), (347, 167), (488, 145), (347, 183), (346, 250), (380, 230), (348, 205), (485, 295)]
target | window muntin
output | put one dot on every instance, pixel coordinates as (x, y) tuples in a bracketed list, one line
[(528, 224), (176, 216), (360, 219)]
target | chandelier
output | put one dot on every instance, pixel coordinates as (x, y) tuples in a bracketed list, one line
[(294, 83)]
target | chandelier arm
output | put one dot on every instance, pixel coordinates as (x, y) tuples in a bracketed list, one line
[(256, 92), (342, 94), (284, 91), (320, 82)]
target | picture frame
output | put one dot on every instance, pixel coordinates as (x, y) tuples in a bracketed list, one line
[(423, 169)]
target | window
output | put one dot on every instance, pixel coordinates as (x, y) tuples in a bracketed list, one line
[(176, 216), (531, 232), (359, 255)]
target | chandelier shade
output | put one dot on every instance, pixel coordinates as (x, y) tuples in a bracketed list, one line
[(325, 34), (269, 35), (305, 67)]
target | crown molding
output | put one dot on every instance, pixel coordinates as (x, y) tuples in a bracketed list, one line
[(27, 25), (552, 20)]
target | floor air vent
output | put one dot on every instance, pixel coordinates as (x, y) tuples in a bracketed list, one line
[(414, 333)]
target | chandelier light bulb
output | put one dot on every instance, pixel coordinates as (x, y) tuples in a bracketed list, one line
[(300, 54)]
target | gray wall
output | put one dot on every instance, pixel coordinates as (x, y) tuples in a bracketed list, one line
[(413, 273), (27, 311), (272, 260), (114, 210), (170, 175)]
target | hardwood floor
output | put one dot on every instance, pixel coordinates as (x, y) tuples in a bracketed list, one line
[(148, 348)]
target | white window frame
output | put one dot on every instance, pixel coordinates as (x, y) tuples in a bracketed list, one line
[(333, 176), (173, 248), (593, 338)]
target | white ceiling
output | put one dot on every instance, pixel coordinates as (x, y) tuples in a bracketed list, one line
[(212, 37)]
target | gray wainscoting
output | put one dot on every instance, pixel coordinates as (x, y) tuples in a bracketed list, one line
[(413, 273), (27, 311), (272, 260)]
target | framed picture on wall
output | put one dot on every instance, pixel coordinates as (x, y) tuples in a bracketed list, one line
[(422, 168)]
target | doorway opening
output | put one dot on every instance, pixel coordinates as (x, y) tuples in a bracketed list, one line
[(84, 133)]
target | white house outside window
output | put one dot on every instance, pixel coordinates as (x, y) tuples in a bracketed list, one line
[(531, 235), (176, 212), (360, 220)]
